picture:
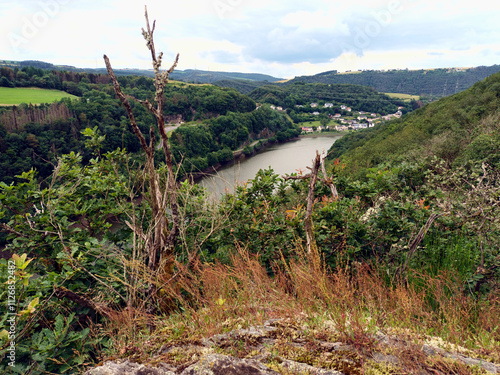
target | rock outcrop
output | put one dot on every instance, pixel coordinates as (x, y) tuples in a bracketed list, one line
[(281, 347)]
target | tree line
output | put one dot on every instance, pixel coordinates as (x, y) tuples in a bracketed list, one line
[(432, 83)]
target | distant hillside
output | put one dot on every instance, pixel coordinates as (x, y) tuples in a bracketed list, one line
[(458, 128), (188, 75), (359, 98), (432, 83), (204, 76), (241, 85)]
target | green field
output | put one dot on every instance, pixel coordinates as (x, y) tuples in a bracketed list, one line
[(405, 97), (15, 96)]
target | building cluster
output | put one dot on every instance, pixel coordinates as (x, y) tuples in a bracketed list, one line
[(362, 121)]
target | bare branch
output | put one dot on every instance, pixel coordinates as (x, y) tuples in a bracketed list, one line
[(305, 177), (7, 228), (308, 224), (416, 241), (126, 103), (61, 291), (328, 181)]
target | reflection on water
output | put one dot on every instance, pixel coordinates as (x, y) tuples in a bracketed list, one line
[(282, 158)]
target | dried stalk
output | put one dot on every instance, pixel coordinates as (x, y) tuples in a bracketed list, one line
[(161, 246)]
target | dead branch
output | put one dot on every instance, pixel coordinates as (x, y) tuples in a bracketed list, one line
[(63, 292), (126, 104), (416, 241), (318, 162), (325, 179), (308, 223), (9, 229), (163, 237), (328, 181)]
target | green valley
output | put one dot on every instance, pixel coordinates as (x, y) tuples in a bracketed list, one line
[(382, 257)]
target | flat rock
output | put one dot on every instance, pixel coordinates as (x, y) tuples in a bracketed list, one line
[(259, 347), (128, 368), (218, 364)]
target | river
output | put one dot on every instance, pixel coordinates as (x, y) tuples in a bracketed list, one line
[(283, 158)]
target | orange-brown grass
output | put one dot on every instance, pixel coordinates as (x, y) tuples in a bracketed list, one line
[(217, 298)]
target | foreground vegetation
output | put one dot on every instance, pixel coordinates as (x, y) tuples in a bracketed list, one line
[(112, 258), (239, 263)]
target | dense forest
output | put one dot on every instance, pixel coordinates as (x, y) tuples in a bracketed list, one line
[(359, 98), (431, 83), (222, 120), (107, 255)]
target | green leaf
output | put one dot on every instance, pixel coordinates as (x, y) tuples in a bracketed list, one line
[(4, 335), (19, 259), (31, 307), (59, 324)]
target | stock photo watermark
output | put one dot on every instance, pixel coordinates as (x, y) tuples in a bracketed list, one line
[(380, 19), (222, 7), (11, 312), (31, 26)]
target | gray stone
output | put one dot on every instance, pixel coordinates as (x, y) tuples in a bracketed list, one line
[(258, 342), (128, 368), (218, 364), (303, 368), (488, 366)]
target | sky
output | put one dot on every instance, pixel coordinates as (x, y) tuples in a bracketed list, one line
[(276, 37)]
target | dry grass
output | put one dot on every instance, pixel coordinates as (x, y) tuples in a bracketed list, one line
[(351, 306)]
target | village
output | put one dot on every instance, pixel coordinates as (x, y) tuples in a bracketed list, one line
[(354, 121)]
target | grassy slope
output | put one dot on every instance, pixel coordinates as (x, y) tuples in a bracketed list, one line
[(405, 97), (14, 96), (461, 126), (334, 307)]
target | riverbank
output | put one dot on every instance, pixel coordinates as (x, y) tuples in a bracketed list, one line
[(238, 155), (324, 134), (257, 147), (283, 158)]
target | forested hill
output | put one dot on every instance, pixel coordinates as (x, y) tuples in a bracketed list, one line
[(457, 129), (359, 98), (206, 76), (430, 83), (188, 75), (242, 85), (217, 121)]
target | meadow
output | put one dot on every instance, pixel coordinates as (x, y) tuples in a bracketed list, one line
[(405, 97), (18, 95)]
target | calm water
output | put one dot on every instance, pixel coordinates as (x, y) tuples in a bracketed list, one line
[(282, 158)]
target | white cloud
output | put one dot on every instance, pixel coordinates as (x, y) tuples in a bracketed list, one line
[(279, 37)]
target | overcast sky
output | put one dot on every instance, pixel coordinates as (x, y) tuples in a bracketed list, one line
[(283, 38)]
